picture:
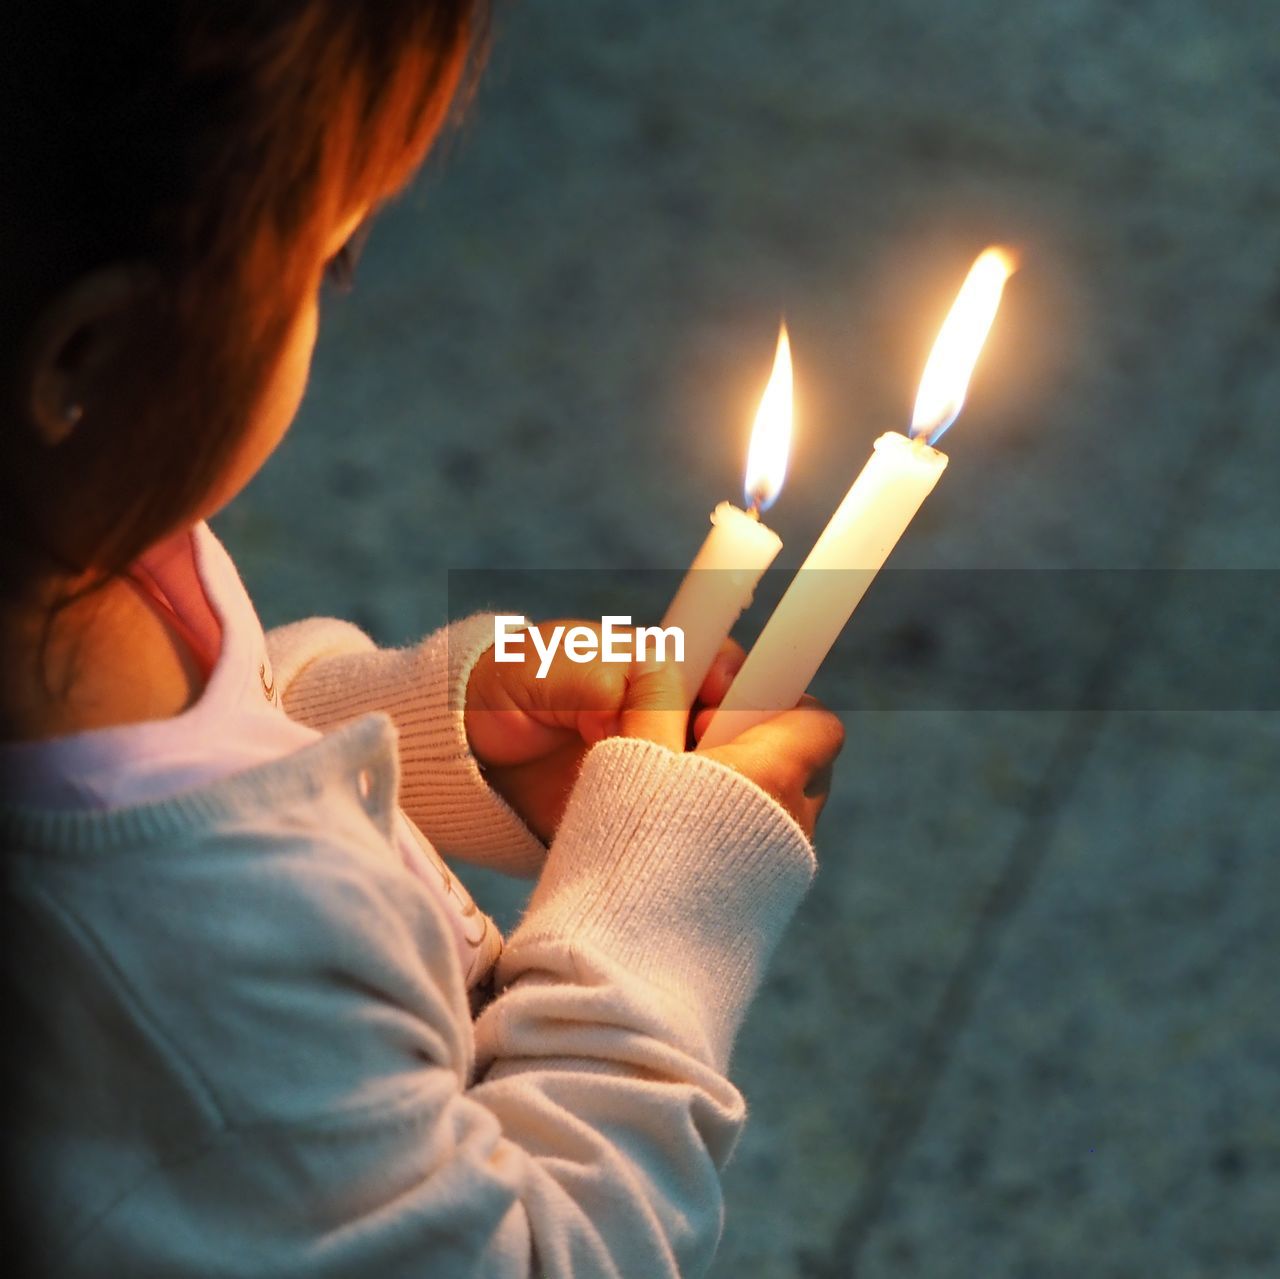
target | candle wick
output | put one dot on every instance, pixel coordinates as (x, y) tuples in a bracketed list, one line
[(753, 511)]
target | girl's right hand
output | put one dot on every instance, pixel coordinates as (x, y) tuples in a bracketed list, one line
[(790, 756)]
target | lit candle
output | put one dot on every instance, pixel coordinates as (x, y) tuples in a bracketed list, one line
[(868, 523), (723, 576)]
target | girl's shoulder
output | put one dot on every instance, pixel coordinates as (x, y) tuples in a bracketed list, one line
[(258, 936)]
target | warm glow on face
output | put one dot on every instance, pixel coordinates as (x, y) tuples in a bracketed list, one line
[(771, 435), (946, 375)]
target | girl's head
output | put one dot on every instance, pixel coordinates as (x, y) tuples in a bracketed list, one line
[(180, 173)]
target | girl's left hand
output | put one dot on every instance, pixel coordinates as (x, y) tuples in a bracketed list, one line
[(530, 734)]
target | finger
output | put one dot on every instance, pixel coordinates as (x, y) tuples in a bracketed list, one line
[(499, 729), (595, 726), (514, 713), (579, 697), (587, 698), (706, 713), (809, 735), (728, 662), (702, 720), (653, 707)]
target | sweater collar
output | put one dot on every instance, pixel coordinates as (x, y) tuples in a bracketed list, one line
[(359, 756)]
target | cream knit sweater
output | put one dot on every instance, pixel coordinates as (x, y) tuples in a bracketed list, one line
[(248, 1047)]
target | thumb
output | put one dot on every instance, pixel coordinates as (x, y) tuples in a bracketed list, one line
[(653, 706)]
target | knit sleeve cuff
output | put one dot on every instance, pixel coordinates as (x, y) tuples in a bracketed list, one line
[(423, 689), (296, 646), (678, 868)]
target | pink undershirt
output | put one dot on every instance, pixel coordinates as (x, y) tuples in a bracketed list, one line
[(237, 723), (234, 725)]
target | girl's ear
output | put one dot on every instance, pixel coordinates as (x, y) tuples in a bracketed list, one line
[(78, 339)]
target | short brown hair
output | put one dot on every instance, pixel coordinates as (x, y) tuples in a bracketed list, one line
[(215, 141)]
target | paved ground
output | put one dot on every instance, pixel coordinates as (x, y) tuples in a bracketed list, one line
[(1027, 1025)]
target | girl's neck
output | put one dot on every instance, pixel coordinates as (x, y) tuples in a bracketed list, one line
[(108, 659)]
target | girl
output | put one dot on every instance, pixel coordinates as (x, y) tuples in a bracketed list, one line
[(262, 1030)]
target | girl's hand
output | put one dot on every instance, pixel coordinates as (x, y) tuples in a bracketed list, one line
[(791, 756), (530, 734)]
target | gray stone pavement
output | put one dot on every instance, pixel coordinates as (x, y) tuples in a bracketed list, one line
[(1026, 1024)]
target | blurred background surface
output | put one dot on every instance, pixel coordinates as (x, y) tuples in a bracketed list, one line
[(1026, 1024)]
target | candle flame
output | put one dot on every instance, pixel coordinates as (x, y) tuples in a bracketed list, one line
[(959, 343), (771, 435)]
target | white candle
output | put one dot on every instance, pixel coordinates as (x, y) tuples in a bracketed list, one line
[(867, 524), (722, 579), (831, 582), (718, 586)]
